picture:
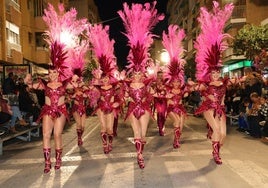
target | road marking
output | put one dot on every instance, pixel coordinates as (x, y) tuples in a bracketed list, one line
[(185, 174), (76, 146), (6, 174), (249, 172), (148, 139), (118, 175)]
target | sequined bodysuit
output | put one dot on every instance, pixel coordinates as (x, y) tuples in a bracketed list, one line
[(160, 100), (105, 103), (79, 105), (218, 92), (141, 100), (176, 105), (54, 110)]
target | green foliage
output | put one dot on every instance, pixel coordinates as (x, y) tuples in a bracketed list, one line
[(87, 73), (250, 40)]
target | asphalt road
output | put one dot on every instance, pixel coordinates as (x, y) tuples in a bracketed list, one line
[(245, 162)]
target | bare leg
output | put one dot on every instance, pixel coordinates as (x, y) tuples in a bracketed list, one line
[(213, 123), (102, 119), (135, 126), (77, 119), (47, 131), (58, 128), (223, 129)]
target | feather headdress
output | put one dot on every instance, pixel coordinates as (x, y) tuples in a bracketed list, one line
[(172, 41), (103, 49), (211, 41), (139, 20), (63, 39)]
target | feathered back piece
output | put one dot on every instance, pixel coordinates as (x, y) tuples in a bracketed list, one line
[(211, 41), (103, 49), (139, 20), (172, 41), (63, 37)]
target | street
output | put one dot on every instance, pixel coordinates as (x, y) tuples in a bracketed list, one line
[(244, 160)]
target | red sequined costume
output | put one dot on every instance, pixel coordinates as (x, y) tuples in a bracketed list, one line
[(105, 103), (79, 105), (140, 101), (218, 92), (54, 110), (176, 105)]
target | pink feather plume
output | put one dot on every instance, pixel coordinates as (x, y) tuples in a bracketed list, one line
[(172, 41), (139, 21), (64, 31), (211, 41), (103, 48)]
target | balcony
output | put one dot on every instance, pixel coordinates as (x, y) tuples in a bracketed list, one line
[(239, 15), (230, 57)]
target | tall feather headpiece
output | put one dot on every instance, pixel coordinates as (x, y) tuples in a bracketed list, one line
[(211, 41), (139, 20), (103, 48), (172, 41), (63, 38)]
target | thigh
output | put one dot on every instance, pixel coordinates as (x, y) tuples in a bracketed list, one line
[(59, 124)]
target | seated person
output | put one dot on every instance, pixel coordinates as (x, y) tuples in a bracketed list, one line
[(5, 114), (242, 118)]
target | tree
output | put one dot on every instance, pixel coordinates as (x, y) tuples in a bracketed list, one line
[(251, 40)]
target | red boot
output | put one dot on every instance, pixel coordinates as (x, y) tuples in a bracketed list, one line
[(104, 142), (115, 126), (177, 134), (216, 152), (79, 137), (110, 142), (47, 152), (58, 158), (140, 159)]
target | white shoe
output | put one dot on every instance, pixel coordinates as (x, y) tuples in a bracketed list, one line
[(34, 124)]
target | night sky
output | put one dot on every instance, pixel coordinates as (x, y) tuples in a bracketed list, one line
[(108, 14)]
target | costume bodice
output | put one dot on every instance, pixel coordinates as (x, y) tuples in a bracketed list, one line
[(107, 94), (138, 94), (54, 94), (217, 91)]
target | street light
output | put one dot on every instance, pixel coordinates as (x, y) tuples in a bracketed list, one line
[(164, 57)]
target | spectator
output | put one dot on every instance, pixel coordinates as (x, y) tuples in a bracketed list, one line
[(253, 116), (5, 114), (242, 118), (9, 85)]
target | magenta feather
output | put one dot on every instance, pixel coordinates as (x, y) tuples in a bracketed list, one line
[(172, 41), (103, 48), (69, 45), (139, 20), (211, 42)]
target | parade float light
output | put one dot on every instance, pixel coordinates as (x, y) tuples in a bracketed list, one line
[(164, 57), (68, 39)]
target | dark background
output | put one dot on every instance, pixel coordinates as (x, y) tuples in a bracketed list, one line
[(108, 14)]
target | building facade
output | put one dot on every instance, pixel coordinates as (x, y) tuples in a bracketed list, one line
[(22, 29), (185, 13)]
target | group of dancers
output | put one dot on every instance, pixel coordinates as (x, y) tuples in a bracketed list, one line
[(110, 90)]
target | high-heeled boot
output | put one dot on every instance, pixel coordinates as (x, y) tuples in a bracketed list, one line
[(140, 159), (104, 142), (216, 152), (110, 142), (115, 126), (177, 134), (58, 158), (210, 131), (47, 152), (79, 137)]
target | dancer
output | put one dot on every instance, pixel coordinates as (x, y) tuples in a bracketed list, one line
[(103, 49), (209, 45), (144, 17), (160, 102), (78, 110), (54, 112), (174, 75)]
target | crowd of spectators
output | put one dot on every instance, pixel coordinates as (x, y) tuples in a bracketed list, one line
[(18, 103)]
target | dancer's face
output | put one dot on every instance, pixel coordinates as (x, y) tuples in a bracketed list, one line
[(137, 76), (176, 83), (105, 80), (53, 75), (215, 75), (75, 79)]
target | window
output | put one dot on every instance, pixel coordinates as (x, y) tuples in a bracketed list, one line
[(39, 6), (39, 40), (13, 33)]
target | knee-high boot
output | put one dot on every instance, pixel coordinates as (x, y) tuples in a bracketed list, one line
[(110, 142), (216, 152), (177, 134), (115, 126), (104, 142), (58, 158), (160, 123), (47, 152), (210, 131), (79, 137), (139, 147)]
